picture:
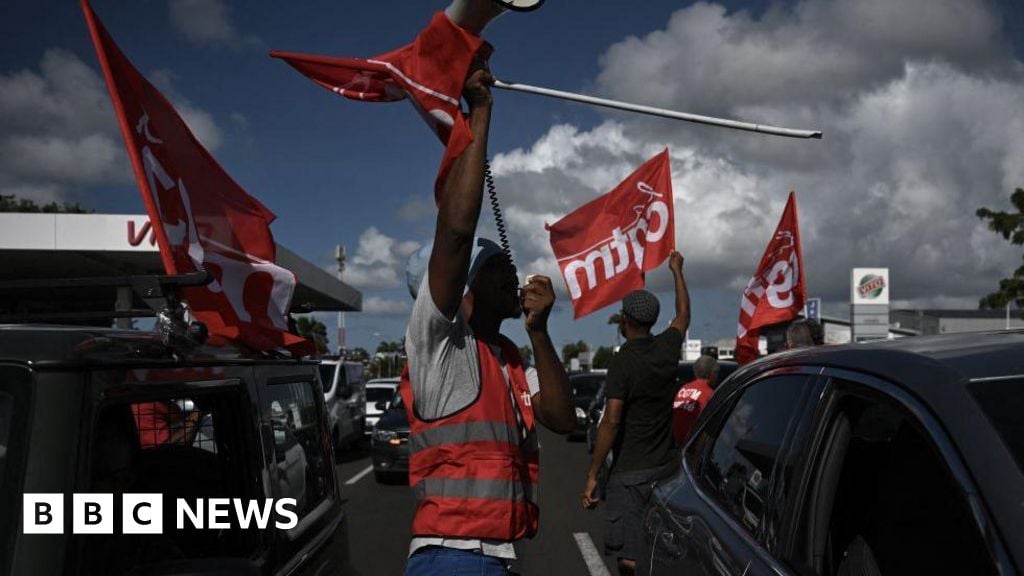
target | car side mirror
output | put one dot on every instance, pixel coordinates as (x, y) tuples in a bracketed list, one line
[(382, 405)]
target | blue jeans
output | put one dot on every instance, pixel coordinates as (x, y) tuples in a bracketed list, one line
[(440, 561)]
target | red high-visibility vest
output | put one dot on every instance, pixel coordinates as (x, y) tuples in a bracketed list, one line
[(473, 473)]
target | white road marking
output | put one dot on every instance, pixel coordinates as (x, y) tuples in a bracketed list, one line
[(359, 476), (593, 558)]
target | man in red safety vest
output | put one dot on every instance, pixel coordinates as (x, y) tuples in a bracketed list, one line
[(472, 403)]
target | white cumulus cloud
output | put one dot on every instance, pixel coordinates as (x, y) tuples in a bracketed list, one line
[(379, 261)]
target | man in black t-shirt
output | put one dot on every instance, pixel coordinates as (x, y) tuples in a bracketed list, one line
[(637, 422)]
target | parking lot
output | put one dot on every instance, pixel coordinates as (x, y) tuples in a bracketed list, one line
[(569, 542)]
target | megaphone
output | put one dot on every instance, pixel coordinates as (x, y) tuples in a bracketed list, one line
[(475, 15)]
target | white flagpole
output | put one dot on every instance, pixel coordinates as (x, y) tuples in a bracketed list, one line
[(619, 105)]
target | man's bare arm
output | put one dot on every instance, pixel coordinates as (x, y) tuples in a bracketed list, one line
[(461, 197), (606, 433), (681, 321), (553, 404)]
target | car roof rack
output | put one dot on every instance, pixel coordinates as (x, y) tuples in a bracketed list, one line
[(158, 292)]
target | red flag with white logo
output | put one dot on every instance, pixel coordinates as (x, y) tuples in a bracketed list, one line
[(777, 291), (430, 72), (202, 219), (604, 247)]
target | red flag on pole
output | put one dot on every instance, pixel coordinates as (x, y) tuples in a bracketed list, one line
[(430, 72), (604, 247), (777, 291), (202, 219)]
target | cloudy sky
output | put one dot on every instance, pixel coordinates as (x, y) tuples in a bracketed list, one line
[(921, 103)]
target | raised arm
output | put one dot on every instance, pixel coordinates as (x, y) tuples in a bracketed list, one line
[(461, 197), (681, 321), (553, 404)]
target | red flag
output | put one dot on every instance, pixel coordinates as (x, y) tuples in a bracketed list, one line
[(202, 219), (430, 72), (605, 246), (777, 291)]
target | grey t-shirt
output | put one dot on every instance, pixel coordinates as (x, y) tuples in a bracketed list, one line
[(444, 372)]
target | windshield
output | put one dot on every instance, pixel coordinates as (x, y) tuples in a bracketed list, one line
[(1003, 403), (327, 376), (374, 395), (585, 388)]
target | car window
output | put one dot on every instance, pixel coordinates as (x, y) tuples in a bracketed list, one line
[(14, 405), (190, 447), (396, 401), (6, 414), (299, 455), (376, 394), (175, 421), (327, 376), (739, 458), (1003, 403), (881, 498)]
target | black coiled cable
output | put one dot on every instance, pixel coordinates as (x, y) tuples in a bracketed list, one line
[(499, 218)]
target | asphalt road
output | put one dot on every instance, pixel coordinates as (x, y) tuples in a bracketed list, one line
[(380, 516)]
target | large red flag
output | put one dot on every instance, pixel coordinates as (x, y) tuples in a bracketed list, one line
[(202, 219), (604, 247), (777, 291), (430, 72)]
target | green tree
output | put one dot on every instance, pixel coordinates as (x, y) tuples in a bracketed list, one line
[(315, 330), (11, 203), (572, 350), (359, 355), (1011, 226), (603, 357), (527, 353)]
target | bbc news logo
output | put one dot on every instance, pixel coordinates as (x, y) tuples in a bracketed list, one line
[(144, 514)]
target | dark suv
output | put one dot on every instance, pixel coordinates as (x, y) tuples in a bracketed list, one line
[(892, 458), (93, 410)]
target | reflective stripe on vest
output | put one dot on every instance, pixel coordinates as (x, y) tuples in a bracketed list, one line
[(464, 432), (474, 488)]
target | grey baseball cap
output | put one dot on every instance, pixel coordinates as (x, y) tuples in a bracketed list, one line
[(642, 306), (416, 266)]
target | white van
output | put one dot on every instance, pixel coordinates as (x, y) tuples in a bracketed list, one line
[(345, 400)]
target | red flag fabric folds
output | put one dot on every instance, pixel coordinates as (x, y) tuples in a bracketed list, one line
[(430, 72), (201, 217), (604, 247), (777, 291)]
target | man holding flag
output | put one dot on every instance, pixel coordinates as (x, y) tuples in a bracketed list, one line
[(637, 422), (472, 405)]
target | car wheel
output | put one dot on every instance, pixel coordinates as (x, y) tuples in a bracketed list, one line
[(381, 477)]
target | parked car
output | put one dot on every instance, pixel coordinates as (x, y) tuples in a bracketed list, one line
[(378, 390), (585, 386), (902, 457), (95, 410), (595, 411), (389, 442), (345, 395)]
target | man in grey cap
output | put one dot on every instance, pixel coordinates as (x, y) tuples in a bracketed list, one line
[(471, 402), (637, 421)]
